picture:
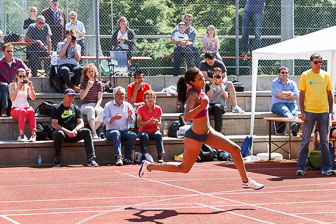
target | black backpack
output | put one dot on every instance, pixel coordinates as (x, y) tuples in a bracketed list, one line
[(12, 37), (174, 127), (45, 108), (238, 86)]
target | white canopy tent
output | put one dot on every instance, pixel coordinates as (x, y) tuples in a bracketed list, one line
[(322, 42)]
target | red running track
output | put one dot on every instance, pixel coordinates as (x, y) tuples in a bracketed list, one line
[(210, 193)]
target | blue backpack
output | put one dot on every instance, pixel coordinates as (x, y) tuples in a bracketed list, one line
[(246, 147)]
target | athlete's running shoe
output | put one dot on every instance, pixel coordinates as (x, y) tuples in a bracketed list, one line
[(143, 168), (252, 184)]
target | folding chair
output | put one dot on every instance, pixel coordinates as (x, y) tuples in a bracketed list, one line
[(119, 65)]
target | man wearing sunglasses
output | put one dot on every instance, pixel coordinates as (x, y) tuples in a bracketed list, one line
[(284, 96), (8, 67), (316, 104)]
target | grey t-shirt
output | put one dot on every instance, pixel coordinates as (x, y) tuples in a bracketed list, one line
[(69, 57), (217, 96), (36, 34)]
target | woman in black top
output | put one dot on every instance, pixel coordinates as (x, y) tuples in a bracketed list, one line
[(31, 19)]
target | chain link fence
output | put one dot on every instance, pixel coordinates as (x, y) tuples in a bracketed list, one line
[(154, 20)]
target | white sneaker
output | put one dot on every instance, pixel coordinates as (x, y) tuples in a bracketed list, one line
[(32, 138), (119, 162), (95, 137), (144, 168), (238, 110), (22, 138), (252, 184)]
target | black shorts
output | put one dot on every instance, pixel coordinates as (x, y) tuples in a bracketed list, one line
[(190, 134)]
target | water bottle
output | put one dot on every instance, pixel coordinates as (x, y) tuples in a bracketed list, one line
[(165, 129), (39, 160)]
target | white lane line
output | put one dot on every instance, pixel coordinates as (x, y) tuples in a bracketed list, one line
[(121, 208), (234, 213), (89, 199), (226, 199), (194, 191), (9, 219)]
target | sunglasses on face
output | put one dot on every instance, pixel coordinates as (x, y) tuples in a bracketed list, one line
[(22, 76), (284, 72), (9, 51), (41, 23), (317, 62)]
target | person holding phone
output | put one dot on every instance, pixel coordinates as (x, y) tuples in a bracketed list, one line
[(217, 94), (19, 90)]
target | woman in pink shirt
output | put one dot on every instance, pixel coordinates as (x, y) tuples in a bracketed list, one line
[(149, 121), (19, 90)]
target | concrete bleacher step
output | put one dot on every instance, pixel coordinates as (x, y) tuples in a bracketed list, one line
[(233, 124), (169, 103), (14, 153)]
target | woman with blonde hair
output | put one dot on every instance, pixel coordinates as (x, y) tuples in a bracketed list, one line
[(19, 90), (91, 94), (211, 42)]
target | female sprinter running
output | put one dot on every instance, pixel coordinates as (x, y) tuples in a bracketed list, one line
[(200, 132)]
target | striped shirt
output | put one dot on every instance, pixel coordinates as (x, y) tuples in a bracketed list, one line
[(92, 96), (8, 73)]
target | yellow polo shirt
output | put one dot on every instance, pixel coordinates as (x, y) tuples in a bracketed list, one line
[(315, 87)]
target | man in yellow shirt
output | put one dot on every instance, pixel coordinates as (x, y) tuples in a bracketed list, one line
[(316, 104)]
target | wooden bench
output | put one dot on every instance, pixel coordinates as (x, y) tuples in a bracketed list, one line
[(286, 120), (223, 57)]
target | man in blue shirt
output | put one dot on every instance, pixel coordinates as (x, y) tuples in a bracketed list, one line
[(284, 96), (253, 13), (118, 114)]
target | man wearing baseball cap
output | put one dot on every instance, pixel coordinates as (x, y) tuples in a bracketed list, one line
[(67, 120)]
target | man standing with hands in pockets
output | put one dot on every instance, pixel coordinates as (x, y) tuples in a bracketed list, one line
[(316, 104)]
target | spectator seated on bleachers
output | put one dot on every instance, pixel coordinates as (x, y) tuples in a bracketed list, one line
[(149, 121), (67, 120), (118, 115), (207, 67), (284, 95), (70, 54), (182, 48), (78, 28), (19, 90), (191, 32), (39, 34), (91, 94), (123, 38), (8, 67)]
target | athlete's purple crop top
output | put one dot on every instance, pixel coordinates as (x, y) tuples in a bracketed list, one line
[(202, 95)]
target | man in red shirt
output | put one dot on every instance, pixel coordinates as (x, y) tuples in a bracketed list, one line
[(8, 67), (137, 89)]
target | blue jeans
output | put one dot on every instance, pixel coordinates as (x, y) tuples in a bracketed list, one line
[(285, 110), (116, 136), (257, 20), (179, 52), (3, 95), (323, 128), (157, 136)]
